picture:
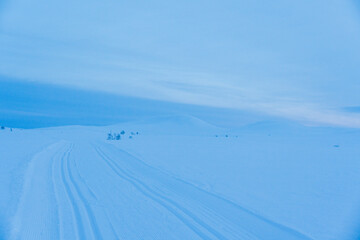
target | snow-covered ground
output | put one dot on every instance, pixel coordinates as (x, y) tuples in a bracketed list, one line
[(180, 178)]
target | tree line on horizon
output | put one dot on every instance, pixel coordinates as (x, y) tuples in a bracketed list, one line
[(118, 136)]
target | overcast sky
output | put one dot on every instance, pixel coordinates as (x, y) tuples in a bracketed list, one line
[(296, 59)]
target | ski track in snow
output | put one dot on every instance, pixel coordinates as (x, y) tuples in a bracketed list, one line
[(58, 196), (209, 216), (220, 198), (163, 201), (78, 201)]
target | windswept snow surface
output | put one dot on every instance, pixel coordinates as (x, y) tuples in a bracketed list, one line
[(180, 178)]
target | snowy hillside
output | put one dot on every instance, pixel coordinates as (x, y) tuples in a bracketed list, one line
[(179, 177)]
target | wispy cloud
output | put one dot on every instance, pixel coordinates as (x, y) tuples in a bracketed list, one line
[(300, 61)]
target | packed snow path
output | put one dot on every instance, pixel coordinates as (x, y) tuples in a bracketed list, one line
[(98, 191)]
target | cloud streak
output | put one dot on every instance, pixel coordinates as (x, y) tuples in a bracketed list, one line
[(297, 60)]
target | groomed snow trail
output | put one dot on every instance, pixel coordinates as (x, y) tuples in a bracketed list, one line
[(95, 190)]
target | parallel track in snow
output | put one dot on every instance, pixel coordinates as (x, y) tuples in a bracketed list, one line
[(207, 215), (180, 212), (81, 211), (90, 198)]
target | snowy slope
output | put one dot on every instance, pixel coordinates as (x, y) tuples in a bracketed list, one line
[(180, 178)]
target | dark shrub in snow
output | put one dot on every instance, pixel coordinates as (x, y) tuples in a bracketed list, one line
[(110, 136)]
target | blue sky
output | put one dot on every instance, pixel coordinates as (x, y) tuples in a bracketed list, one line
[(295, 59)]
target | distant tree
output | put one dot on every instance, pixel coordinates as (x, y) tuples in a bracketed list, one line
[(2, 127), (130, 137), (137, 133), (226, 135), (110, 136), (122, 132), (118, 137)]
